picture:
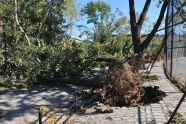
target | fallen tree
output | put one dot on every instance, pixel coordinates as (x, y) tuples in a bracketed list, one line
[(122, 85)]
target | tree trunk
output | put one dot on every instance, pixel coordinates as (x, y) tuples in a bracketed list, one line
[(134, 27), (139, 46)]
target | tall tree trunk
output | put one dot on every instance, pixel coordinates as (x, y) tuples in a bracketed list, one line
[(137, 26), (134, 27)]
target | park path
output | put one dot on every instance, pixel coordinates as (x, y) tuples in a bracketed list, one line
[(157, 112), (20, 105)]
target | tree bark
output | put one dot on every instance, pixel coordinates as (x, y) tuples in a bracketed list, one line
[(134, 27), (17, 21)]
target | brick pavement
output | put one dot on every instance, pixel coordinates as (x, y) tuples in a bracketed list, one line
[(141, 115)]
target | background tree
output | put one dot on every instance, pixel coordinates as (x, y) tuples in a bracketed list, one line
[(98, 13), (108, 30), (43, 55), (122, 25)]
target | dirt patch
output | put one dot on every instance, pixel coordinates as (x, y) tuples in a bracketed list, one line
[(71, 122), (152, 95), (95, 102)]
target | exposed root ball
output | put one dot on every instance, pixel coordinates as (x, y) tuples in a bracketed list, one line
[(123, 86)]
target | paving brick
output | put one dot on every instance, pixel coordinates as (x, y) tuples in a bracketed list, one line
[(144, 114)]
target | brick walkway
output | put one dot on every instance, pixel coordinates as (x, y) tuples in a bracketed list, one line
[(143, 114)]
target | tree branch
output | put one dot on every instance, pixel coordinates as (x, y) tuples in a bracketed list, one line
[(156, 26), (143, 14), (39, 30), (17, 21), (132, 13)]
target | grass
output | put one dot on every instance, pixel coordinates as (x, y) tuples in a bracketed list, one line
[(178, 118), (150, 78), (51, 116), (55, 88), (19, 85), (2, 115), (109, 118), (3, 88)]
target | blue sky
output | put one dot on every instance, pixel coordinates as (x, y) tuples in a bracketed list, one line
[(124, 8)]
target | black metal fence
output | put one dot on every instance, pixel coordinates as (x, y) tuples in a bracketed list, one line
[(175, 47)]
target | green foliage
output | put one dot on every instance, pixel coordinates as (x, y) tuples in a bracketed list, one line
[(47, 62), (51, 53), (119, 47), (5, 82), (153, 46), (44, 22), (41, 19), (71, 11), (104, 22), (122, 25), (96, 11)]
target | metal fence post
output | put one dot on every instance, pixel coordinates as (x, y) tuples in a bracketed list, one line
[(166, 36), (39, 116), (76, 101), (172, 38)]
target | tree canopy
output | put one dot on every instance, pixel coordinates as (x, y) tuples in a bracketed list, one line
[(35, 42)]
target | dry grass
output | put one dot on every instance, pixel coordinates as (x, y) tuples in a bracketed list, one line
[(2, 115), (71, 122), (51, 116), (3, 88)]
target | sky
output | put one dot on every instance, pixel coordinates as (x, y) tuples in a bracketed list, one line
[(123, 6)]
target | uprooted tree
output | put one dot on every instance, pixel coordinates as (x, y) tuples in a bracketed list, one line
[(123, 83)]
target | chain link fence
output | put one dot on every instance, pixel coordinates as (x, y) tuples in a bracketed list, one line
[(175, 48)]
